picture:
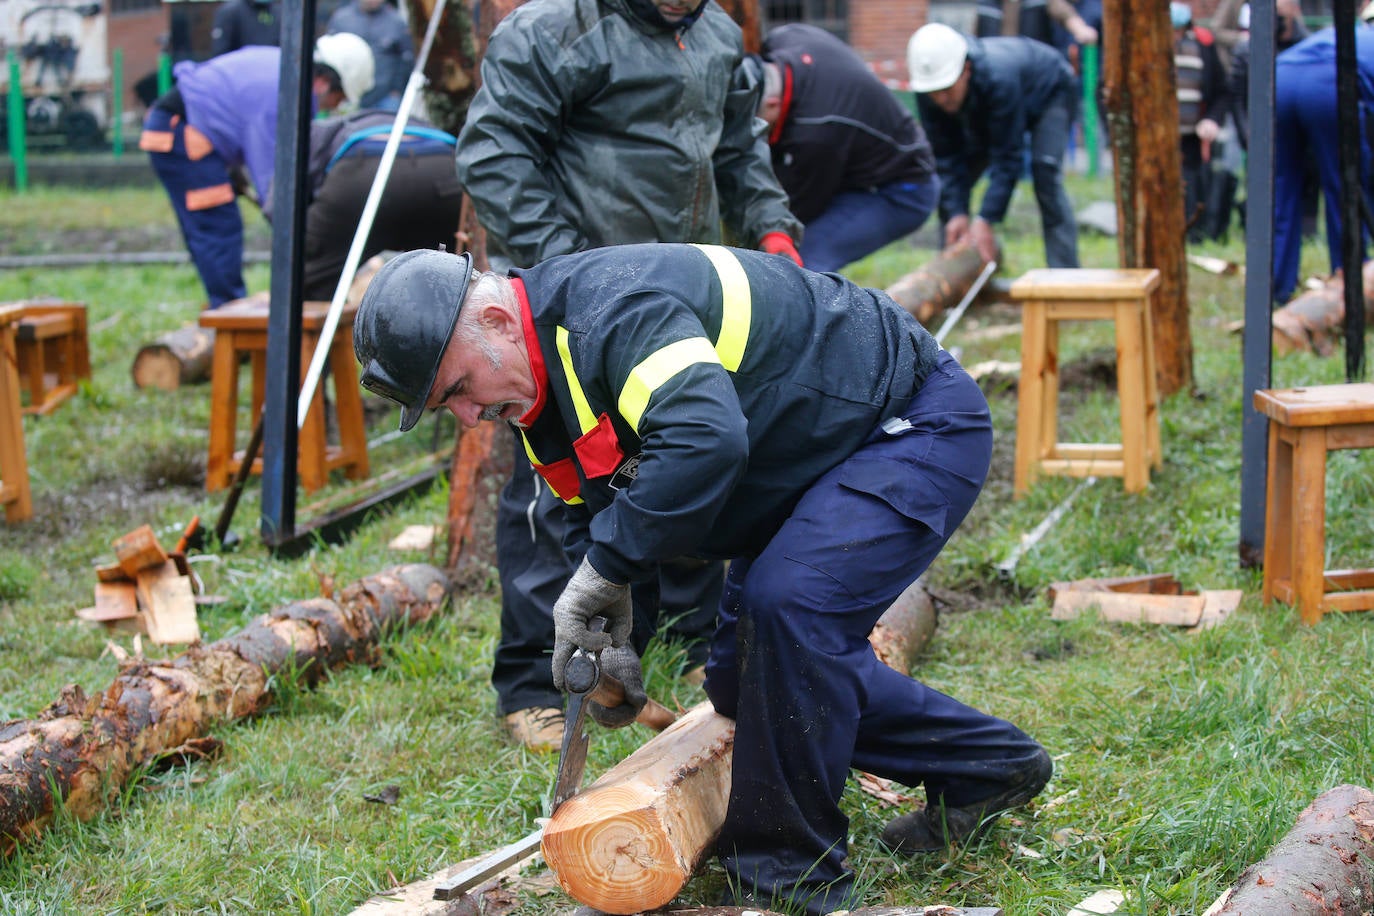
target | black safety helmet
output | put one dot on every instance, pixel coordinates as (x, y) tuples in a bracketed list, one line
[(404, 323)]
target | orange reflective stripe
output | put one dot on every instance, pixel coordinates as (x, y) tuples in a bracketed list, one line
[(198, 146), (205, 198), (156, 141)]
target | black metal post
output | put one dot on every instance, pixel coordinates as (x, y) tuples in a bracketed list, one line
[(1352, 188), (295, 109), (1259, 283)]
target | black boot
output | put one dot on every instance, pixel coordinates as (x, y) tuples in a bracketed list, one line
[(937, 826)]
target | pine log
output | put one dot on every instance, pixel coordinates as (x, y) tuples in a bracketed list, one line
[(631, 840), (1142, 117), (939, 285), (905, 628), (180, 357), (1324, 865), (85, 748)]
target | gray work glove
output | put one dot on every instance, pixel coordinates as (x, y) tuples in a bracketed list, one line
[(588, 594), (623, 665)]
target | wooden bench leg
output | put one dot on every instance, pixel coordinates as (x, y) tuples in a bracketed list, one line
[(1153, 443), (1278, 522), (311, 444), (1030, 397), (224, 405), (1131, 392), (1309, 523), (348, 405), (14, 466)]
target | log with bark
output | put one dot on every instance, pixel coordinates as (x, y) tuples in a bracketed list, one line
[(180, 357), (905, 628), (80, 750), (1324, 865), (631, 840), (1314, 321), (939, 285)]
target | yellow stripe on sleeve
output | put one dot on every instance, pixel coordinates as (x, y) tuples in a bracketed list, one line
[(657, 368), (736, 309)]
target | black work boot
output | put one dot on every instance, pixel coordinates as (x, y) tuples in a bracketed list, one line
[(937, 826)]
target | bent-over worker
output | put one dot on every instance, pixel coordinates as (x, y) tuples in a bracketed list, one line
[(724, 403)]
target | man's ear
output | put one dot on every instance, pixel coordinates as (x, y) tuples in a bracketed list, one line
[(504, 321)]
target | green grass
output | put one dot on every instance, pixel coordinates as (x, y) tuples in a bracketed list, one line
[(1179, 758)]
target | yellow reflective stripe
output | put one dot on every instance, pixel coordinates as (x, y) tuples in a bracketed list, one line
[(656, 369), (737, 306), (535, 463), (585, 418)]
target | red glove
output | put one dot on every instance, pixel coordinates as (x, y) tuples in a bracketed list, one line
[(781, 243)]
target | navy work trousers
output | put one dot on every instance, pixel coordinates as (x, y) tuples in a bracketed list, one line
[(791, 661), (858, 223), (534, 568), (202, 195)]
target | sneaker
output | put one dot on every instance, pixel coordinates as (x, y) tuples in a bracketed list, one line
[(539, 728), (937, 826)]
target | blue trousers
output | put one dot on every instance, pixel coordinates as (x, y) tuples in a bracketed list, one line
[(1305, 128), (791, 661), (203, 197), (858, 223)]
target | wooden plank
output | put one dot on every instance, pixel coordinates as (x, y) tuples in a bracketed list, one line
[(167, 605), (111, 572), (1084, 283), (139, 550), (1217, 605), (113, 601), (1318, 405), (1148, 584), (1167, 610)]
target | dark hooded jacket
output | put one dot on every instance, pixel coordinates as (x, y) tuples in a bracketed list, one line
[(599, 123)]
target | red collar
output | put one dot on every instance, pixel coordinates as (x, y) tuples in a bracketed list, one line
[(786, 105), (536, 355)]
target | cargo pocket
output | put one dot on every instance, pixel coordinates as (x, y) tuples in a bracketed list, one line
[(876, 478)]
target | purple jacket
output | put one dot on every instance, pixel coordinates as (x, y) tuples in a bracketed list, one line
[(232, 99)]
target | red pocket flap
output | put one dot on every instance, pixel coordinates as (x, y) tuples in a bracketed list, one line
[(561, 476), (598, 451)]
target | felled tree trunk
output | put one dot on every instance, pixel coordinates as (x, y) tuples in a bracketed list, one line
[(939, 285), (84, 748), (1325, 864), (1314, 322), (905, 628), (631, 840), (180, 357), (1142, 112)]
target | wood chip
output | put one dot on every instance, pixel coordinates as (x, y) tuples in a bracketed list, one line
[(414, 537), (1165, 610), (167, 605), (1099, 904)]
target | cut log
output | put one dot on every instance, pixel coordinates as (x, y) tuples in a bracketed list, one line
[(180, 357), (905, 628), (139, 550), (84, 748), (1324, 865), (1314, 322), (939, 285), (631, 840)]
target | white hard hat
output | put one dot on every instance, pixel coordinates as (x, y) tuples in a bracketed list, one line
[(349, 56), (935, 57)]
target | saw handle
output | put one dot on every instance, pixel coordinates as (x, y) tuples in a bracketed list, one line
[(583, 675)]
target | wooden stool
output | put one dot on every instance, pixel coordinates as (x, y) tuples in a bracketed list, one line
[(241, 328), (50, 339), (1047, 297), (1305, 424), (14, 465)]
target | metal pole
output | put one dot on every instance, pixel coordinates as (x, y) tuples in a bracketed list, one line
[(164, 72), (17, 140), (374, 199), (117, 104), (1352, 189), (1259, 283), (295, 109)]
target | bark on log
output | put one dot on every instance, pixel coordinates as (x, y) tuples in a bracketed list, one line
[(1314, 322), (905, 628), (631, 840), (1324, 865), (180, 357), (1142, 114), (939, 285), (84, 748)]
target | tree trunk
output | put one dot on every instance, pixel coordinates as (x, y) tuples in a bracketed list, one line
[(180, 357), (746, 14), (938, 285), (481, 467), (84, 748), (1324, 865), (631, 840), (905, 628), (1142, 117)]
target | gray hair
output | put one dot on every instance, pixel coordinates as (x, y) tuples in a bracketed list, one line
[(487, 289)]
